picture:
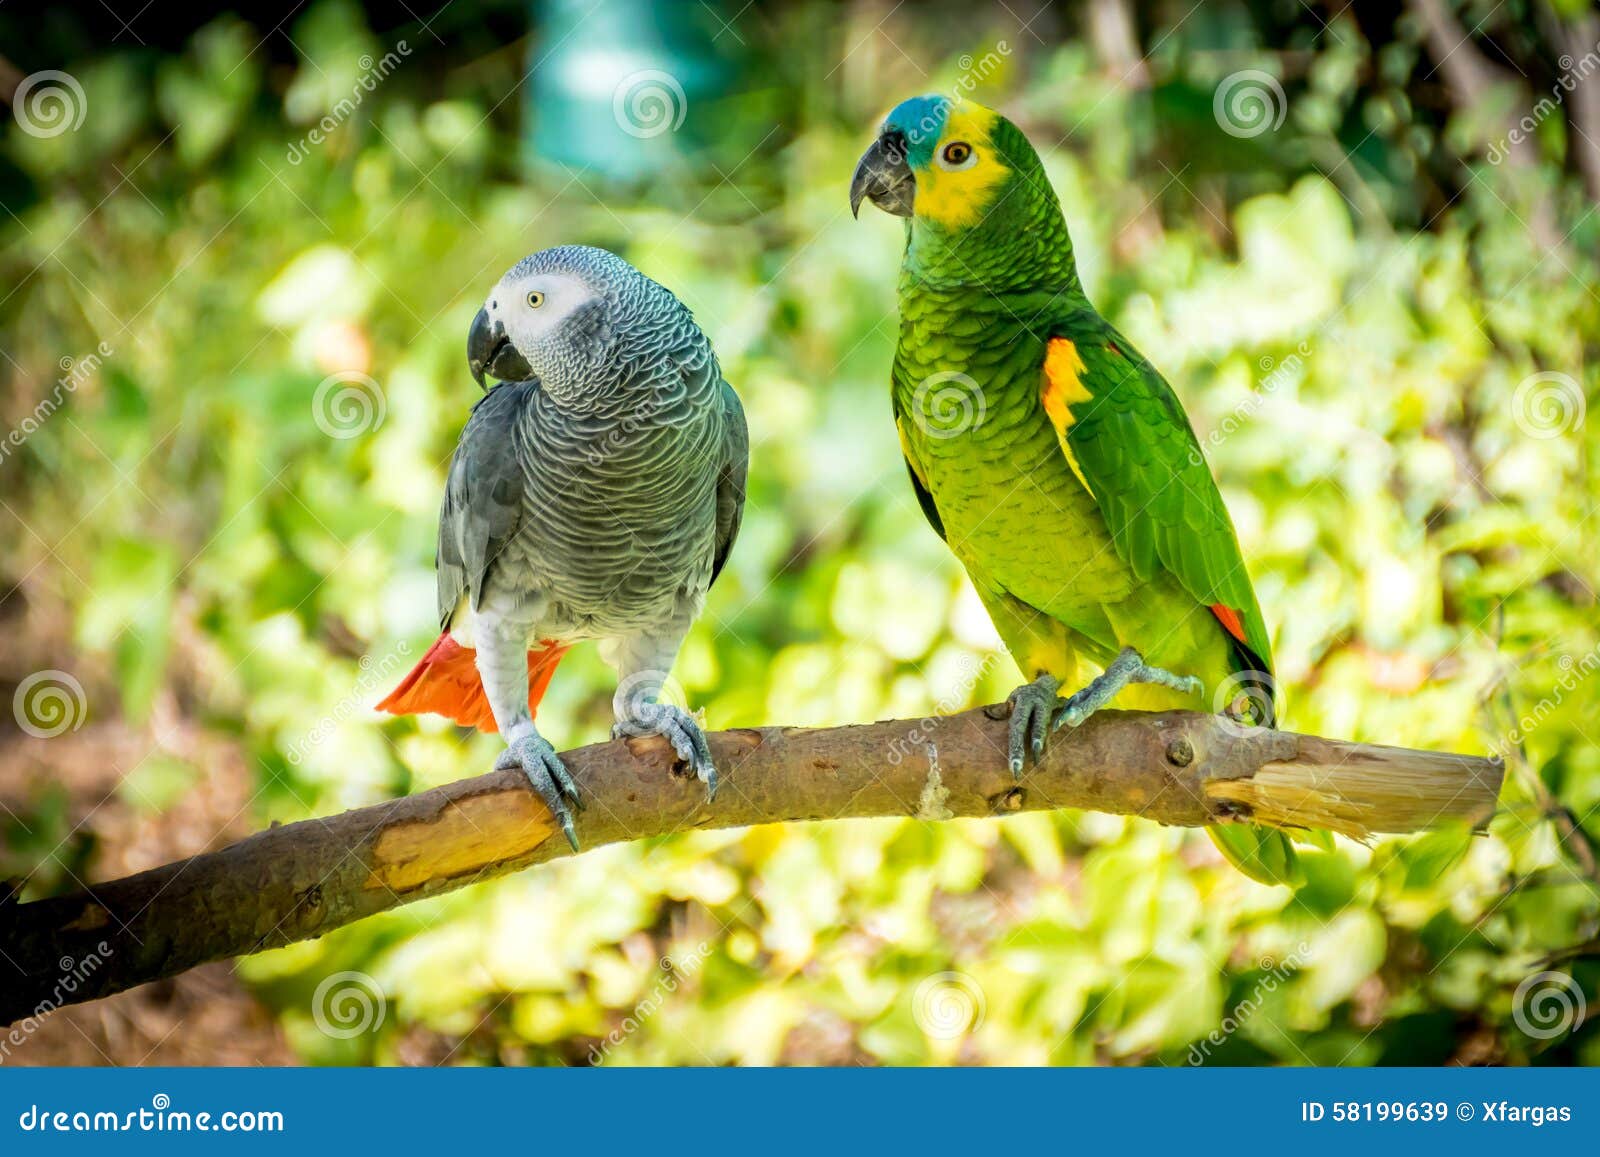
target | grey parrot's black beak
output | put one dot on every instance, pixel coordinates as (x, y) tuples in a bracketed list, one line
[(489, 351), (884, 178)]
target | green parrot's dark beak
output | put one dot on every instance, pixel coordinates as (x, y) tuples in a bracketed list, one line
[(884, 178), (490, 351)]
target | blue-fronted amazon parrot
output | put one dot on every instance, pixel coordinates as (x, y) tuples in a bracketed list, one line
[(1051, 456)]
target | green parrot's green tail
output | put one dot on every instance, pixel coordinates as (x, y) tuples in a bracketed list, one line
[(1266, 855)]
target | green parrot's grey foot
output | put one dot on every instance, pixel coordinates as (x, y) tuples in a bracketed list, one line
[(535, 758), (679, 728), (1128, 667), (1032, 706)]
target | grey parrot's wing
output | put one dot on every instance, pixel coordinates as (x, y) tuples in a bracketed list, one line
[(482, 496), (731, 479)]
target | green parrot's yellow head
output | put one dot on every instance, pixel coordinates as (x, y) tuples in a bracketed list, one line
[(975, 195)]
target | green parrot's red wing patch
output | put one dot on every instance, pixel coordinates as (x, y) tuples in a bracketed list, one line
[(1229, 618), (446, 683)]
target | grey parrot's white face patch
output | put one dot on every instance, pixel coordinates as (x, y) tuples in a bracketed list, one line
[(534, 307)]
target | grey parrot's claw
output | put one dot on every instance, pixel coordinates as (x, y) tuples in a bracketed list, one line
[(680, 729), (548, 776), (1031, 707)]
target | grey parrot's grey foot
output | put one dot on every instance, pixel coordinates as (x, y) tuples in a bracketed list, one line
[(1128, 667), (679, 728), (535, 758), (1032, 706)]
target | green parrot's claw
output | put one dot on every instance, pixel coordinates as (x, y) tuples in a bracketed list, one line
[(548, 776), (1128, 667), (1031, 707)]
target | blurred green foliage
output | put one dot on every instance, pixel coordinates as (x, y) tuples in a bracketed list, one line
[(1350, 341)]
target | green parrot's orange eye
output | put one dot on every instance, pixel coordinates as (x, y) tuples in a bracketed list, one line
[(535, 299), (956, 155)]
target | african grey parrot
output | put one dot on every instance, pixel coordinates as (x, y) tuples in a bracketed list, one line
[(594, 494)]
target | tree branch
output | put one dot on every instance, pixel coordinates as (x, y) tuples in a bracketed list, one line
[(305, 879)]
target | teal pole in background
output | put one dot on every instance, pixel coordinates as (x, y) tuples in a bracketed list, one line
[(617, 85)]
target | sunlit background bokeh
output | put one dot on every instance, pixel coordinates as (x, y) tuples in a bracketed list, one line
[(240, 255)]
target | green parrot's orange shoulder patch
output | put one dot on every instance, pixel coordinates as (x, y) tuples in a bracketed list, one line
[(1061, 389)]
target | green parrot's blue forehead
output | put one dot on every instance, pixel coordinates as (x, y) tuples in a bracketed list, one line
[(921, 120)]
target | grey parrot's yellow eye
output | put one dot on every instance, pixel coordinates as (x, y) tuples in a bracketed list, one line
[(956, 155), (535, 299)]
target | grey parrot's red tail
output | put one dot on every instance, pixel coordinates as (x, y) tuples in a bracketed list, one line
[(446, 683)]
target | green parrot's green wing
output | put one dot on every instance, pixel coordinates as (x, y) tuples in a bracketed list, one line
[(1130, 442), (918, 485)]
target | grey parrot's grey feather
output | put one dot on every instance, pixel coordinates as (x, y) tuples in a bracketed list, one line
[(483, 497), (731, 482), (601, 501)]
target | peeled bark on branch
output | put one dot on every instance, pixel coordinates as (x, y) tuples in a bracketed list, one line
[(305, 879)]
